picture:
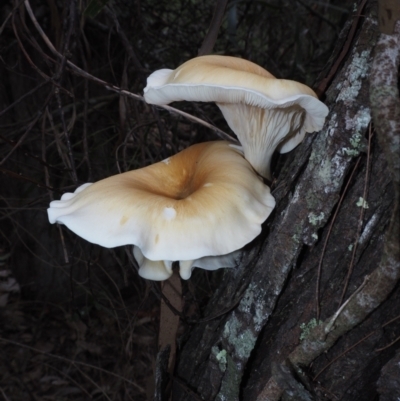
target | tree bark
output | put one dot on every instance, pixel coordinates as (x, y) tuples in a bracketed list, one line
[(335, 198)]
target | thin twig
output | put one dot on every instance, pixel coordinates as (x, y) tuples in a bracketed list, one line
[(212, 33), (125, 40), (360, 221), (73, 362), (389, 345), (346, 47), (317, 290), (70, 378), (355, 345), (21, 98), (24, 135), (25, 178), (115, 88), (38, 159), (58, 76), (34, 66), (197, 120), (4, 395), (85, 116), (329, 325)]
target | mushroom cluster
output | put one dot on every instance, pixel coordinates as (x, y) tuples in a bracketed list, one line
[(202, 205)]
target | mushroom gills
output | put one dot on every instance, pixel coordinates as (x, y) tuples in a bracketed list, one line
[(262, 131), (159, 270)]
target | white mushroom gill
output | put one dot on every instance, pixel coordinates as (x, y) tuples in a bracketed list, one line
[(161, 270)]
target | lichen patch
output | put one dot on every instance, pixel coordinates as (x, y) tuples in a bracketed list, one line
[(356, 72)]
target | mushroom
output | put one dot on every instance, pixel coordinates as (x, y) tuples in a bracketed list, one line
[(264, 112), (205, 201), (161, 269)]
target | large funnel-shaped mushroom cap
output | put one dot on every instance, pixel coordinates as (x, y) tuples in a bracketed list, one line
[(264, 112), (204, 201)]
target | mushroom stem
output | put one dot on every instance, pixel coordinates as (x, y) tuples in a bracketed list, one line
[(279, 126), (157, 270)]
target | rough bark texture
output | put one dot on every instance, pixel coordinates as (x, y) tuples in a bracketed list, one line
[(265, 334), (248, 353), (389, 382)]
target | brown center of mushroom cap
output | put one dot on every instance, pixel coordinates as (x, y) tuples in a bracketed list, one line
[(183, 208), (232, 63), (180, 176)]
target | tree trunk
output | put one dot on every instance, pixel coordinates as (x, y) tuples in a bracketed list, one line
[(261, 337)]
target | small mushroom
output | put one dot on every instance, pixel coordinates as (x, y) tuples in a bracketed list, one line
[(205, 201), (264, 112)]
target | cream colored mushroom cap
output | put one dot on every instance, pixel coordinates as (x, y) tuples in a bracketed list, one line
[(204, 201), (224, 79)]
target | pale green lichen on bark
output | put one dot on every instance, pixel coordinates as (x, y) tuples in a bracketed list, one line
[(253, 303), (357, 124), (316, 219), (356, 72), (230, 385), (306, 327), (220, 356), (242, 340), (362, 203), (328, 168)]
